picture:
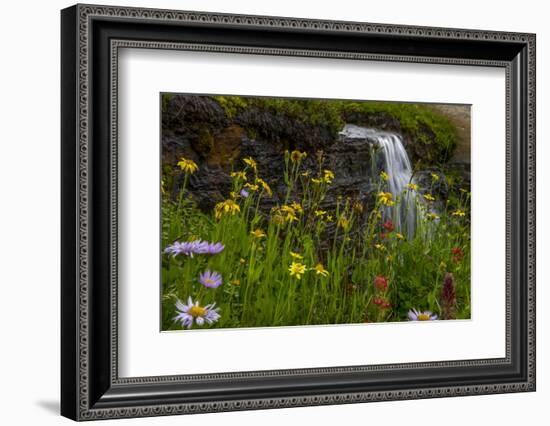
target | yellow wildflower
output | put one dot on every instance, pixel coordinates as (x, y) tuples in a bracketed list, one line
[(316, 180), (249, 161), (297, 206), (459, 212), (432, 216), (306, 173), (328, 218), (239, 175), (328, 176), (296, 255), (226, 207), (242, 261), (277, 219), (320, 270), (358, 207), (297, 156), (412, 186), (252, 187), (344, 223), (235, 282), (380, 247), (429, 197), (384, 176), (435, 177), (289, 213), (320, 213), (386, 198), (257, 233), (265, 186), (297, 269), (188, 166)]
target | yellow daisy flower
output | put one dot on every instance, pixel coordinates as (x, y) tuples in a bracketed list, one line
[(432, 216), (297, 156), (386, 198), (265, 186), (226, 207), (257, 233), (412, 186), (297, 206), (459, 213), (252, 187), (328, 176), (384, 176), (249, 161), (320, 270), (297, 269), (239, 175), (429, 197), (188, 166), (344, 223), (296, 255)]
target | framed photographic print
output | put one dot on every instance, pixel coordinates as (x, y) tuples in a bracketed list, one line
[(263, 212)]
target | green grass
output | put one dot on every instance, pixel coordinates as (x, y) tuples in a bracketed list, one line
[(258, 289)]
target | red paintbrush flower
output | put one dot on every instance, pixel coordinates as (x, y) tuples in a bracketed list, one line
[(378, 301), (388, 225), (381, 302), (380, 283), (448, 297), (458, 254)]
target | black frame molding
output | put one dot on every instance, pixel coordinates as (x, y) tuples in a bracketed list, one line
[(91, 37)]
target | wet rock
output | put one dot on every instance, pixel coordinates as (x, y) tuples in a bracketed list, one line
[(437, 187)]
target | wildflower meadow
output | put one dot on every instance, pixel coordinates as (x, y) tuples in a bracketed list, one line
[(240, 264)]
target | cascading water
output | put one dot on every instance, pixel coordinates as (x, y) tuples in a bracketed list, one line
[(395, 162)]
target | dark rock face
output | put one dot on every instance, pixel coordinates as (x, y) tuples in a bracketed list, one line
[(197, 127)]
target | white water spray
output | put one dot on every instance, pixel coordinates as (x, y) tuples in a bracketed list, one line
[(398, 167)]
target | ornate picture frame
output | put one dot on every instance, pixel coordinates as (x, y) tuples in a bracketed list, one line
[(91, 38)]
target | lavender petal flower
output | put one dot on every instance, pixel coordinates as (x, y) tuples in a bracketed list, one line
[(215, 248), (192, 312), (416, 315), (210, 279)]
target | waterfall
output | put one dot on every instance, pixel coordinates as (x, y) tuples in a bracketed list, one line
[(391, 158)]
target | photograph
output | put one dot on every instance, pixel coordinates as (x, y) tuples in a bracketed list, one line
[(279, 212)]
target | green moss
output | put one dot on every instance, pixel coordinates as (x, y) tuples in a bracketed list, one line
[(232, 105), (419, 122), (165, 100)]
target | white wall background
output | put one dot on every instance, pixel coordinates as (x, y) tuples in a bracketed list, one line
[(29, 225)]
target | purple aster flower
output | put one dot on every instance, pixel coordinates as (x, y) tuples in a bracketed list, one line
[(176, 248), (187, 248), (210, 279), (244, 193), (415, 315), (193, 312), (214, 248)]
